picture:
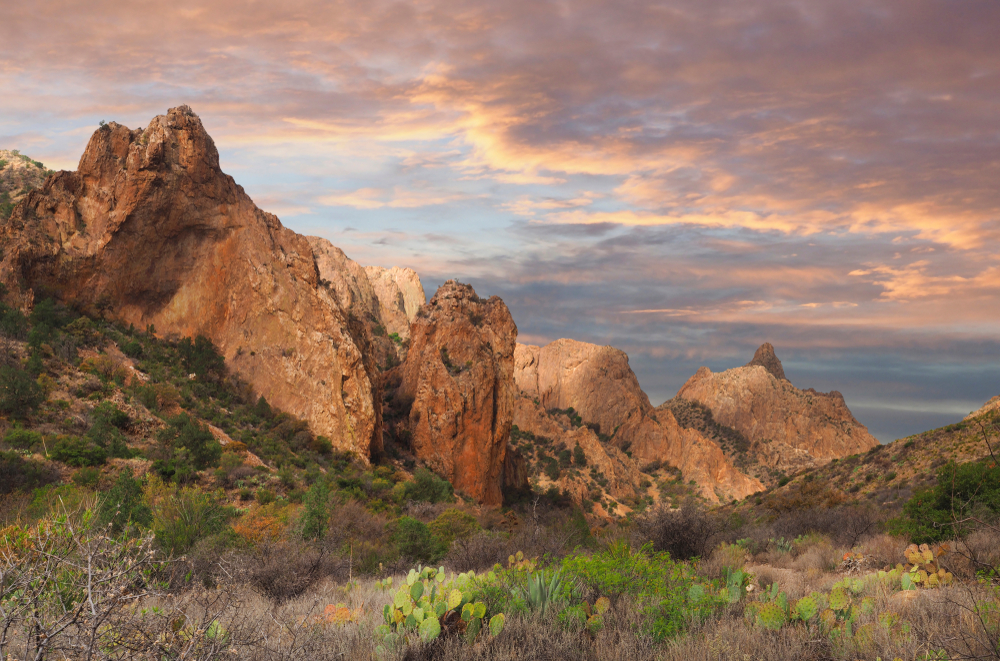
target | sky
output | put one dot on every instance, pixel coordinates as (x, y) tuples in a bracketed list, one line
[(682, 180)]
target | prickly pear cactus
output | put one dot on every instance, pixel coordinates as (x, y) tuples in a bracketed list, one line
[(839, 600), (771, 616), (426, 599), (806, 608), (923, 567)]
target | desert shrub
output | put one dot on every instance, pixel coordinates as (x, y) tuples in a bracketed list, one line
[(480, 551), (201, 357), (107, 437), (187, 446), (283, 570), (123, 506), (108, 413), (13, 324), (579, 457), (87, 477), (20, 474), (415, 541), (453, 524), (132, 348), (20, 394), (77, 451), (944, 511), (683, 533), (21, 438), (428, 487), (315, 514), (663, 586), (182, 518)]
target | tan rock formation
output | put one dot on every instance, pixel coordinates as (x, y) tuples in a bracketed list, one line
[(151, 229), (400, 295), (756, 402), (991, 405), (622, 475), (459, 376), (598, 383)]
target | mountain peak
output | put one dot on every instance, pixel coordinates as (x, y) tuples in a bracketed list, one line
[(766, 358)]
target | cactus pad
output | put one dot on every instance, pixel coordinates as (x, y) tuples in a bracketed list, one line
[(839, 600), (771, 616), (806, 608), (602, 605)]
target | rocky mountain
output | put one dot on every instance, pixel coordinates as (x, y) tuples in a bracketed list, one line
[(151, 231), (19, 175), (458, 383), (598, 384), (788, 429)]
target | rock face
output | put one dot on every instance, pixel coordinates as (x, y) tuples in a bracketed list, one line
[(765, 407), (622, 477), (599, 385), (400, 295), (459, 377), (766, 358), (150, 229), (372, 295)]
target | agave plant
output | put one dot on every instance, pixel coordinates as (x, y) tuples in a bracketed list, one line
[(543, 590)]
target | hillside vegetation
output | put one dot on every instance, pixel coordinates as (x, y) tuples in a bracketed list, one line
[(216, 525)]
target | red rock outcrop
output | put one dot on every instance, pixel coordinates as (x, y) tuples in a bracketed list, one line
[(765, 407), (459, 376), (599, 385), (150, 229)]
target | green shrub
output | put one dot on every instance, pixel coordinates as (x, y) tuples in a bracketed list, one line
[(187, 446), (579, 457), (454, 524), (111, 414), (18, 473), (428, 487), (21, 438), (13, 324), (87, 477), (315, 514), (183, 518), (414, 540), (672, 595), (941, 512), (552, 469), (123, 506), (201, 357), (132, 348), (77, 451), (265, 496), (20, 394)]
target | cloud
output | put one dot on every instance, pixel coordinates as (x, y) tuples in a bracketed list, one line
[(825, 172)]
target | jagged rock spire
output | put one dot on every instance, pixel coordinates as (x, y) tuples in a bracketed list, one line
[(766, 358)]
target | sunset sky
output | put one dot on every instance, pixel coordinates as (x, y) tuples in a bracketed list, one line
[(682, 180)]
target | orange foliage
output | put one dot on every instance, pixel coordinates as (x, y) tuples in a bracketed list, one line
[(259, 525)]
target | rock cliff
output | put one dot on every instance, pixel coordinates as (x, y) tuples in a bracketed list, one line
[(760, 403), (151, 231), (459, 377), (400, 295), (599, 385)]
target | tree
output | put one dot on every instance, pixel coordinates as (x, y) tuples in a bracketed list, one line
[(19, 393)]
